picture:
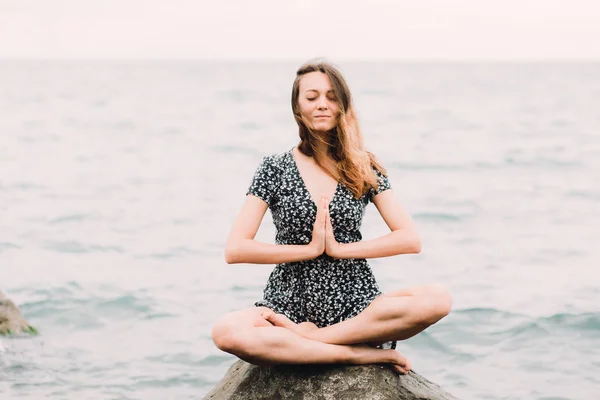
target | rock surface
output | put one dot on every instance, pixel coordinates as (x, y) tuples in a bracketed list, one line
[(244, 381), (11, 319)]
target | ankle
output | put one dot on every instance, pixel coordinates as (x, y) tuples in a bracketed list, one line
[(347, 355)]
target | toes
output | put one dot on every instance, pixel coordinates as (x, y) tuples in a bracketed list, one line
[(405, 363), (281, 320), (402, 361), (400, 370), (397, 369)]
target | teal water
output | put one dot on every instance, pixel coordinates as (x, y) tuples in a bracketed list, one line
[(119, 182)]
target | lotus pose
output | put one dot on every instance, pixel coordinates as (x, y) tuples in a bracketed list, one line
[(321, 303)]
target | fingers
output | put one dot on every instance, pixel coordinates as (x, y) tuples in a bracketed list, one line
[(322, 214), (328, 225), (324, 210)]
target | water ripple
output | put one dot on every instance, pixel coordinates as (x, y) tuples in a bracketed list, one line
[(231, 149), (69, 218), (8, 246), (73, 246)]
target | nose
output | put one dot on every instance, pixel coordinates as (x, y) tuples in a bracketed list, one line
[(322, 104)]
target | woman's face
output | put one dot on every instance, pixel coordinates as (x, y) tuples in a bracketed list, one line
[(317, 101)]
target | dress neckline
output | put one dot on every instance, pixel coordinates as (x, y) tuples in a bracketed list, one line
[(304, 187)]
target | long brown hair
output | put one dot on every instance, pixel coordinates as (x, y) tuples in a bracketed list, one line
[(345, 146)]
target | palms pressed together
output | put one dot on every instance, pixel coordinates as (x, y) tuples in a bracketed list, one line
[(323, 239)]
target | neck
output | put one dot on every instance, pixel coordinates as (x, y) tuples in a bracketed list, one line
[(322, 158), (321, 146)]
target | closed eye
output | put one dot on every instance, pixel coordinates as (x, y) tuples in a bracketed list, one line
[(332, 98)]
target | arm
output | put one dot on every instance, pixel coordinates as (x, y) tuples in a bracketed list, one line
[(242, 248), (403, 238)]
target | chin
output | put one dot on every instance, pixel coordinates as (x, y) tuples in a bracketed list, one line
[(324, 127)]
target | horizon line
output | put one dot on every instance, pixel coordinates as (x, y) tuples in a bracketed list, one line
[(301, 60)]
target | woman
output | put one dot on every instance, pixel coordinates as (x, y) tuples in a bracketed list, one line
[(322, 303)]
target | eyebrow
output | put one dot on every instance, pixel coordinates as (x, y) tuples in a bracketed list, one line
[(315, 90)]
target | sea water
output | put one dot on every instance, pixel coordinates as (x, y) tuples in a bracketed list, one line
[(120, 180)]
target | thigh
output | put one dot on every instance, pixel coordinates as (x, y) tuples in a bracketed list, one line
[(414, 291)]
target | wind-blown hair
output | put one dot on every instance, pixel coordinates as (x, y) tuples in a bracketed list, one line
[(354, 164)]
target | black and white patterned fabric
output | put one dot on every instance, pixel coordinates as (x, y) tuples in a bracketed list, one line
[(323, 290)]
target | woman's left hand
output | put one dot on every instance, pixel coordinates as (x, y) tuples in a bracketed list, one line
[(332, 247)]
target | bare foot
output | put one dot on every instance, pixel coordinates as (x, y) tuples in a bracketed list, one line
[(303, 329), (401, 365), (365, 354), (307, 327)]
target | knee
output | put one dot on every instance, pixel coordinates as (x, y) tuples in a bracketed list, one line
[(223, 337), (441, 301), (229, 339), (437, 303)]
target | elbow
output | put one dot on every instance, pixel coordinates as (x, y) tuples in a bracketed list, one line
[(229, 258), (231, 254), (416, 248), (416, 244)]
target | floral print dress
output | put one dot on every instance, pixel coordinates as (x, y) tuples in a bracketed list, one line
[(323, 290)]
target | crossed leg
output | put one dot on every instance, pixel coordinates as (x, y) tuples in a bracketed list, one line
[(397, 315), (249, 336)]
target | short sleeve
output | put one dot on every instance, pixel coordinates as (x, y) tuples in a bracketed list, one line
[(383, 184), (263, 181)]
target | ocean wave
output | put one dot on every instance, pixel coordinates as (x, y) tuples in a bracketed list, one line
[(583, 321), (581, 194), (484, 312), (426, 340), (186, 379), (245, 289), (69, 218), (8, 246), (543, 162), (431, 167), (520, 324), (174, 253), (190, 359), (440, 217), (23, 186), (72, 307), (229, 149), (73, 246)]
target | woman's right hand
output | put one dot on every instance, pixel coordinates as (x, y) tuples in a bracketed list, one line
[(317, 243)]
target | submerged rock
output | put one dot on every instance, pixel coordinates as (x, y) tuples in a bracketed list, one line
[(244, 381), (11, 319)]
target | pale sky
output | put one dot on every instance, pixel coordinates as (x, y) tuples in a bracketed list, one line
[(297, 30)]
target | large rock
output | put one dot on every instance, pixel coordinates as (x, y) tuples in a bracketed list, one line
[(11, 320), (245, 381)]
